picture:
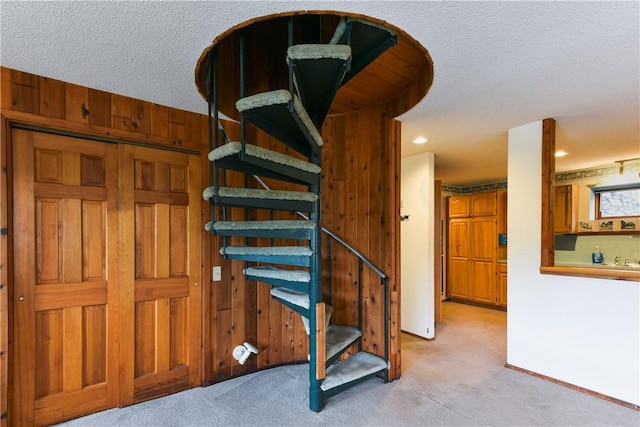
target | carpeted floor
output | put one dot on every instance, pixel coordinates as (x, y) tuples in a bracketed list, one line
[(457, 380)]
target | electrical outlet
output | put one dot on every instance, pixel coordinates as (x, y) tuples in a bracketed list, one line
[(216, 274)]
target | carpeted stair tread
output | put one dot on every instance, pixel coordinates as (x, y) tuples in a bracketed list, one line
[(282, 116), (261, 225), (319, 51), (368, 40), (300, 299), (269, 272), (308, 62), (233, 148), (355, 367), (267, 250), (340, 337), (253, 193)]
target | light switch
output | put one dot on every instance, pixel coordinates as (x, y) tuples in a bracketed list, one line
[(216, 274)]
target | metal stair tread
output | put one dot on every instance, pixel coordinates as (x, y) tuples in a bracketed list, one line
[(233, 148), (254, 193), (355, 367), (270, 272)]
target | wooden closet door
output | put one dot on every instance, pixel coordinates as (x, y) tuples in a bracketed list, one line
[(161, 191), (65, 281)]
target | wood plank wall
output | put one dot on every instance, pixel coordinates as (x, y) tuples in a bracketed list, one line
[(360, 196)]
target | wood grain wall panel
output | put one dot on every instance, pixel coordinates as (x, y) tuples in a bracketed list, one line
[(223, 346), (76, 103), (141, 116), (99, 108), (25, 92), (52, 98), (121, 112)]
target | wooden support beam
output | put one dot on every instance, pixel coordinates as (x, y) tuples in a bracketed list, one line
[(321, 334)]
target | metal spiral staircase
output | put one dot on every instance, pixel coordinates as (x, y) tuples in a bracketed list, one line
[(295, 116)]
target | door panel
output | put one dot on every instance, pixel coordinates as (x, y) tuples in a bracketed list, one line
[(63, 207), (166, 206)]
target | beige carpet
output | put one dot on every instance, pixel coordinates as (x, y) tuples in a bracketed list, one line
[(457, 380)]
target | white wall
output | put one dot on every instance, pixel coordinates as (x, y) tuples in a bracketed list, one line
[(579, 330), (417, 245)]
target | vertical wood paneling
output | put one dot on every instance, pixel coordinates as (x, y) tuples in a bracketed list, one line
[(160, 121), (52, 98), (222, 350), (76, 103), (25, 92), (121, 112), (177, 126), (141, 116), (99, 108)]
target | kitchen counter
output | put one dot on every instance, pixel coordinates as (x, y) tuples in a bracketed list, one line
[(608, 266)]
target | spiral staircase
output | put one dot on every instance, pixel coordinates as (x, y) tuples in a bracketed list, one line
[(295, 116)]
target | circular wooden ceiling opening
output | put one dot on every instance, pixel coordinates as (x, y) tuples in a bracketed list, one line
[(402, 74)]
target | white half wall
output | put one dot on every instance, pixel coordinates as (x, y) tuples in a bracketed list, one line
[(583, 331), (417, 245)]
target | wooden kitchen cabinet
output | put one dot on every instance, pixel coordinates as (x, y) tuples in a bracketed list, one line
[(565, 209), (501, 296), (472, 269), (459, 206), (484, 204), (459, 283)]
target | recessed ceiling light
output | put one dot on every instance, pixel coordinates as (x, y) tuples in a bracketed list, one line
[(420, 140), (561, 153)]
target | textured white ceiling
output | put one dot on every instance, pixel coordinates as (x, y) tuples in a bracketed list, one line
[(497, 65)]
